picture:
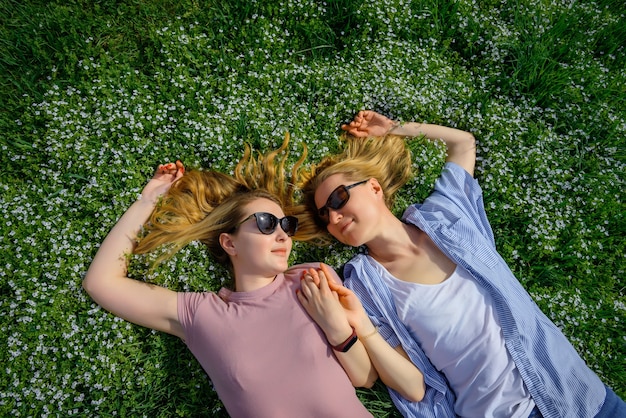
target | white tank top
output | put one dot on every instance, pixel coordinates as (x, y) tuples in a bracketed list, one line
[(458, 328)]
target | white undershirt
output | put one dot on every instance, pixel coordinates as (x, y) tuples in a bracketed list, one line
[(456, 325)]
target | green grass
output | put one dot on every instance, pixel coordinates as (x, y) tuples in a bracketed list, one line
[(94, 94)]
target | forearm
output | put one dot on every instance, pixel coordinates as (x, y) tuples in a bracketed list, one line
[(358, 366), (355, 361), (107, 283), (111, 259), (461, 145), (393, 368)]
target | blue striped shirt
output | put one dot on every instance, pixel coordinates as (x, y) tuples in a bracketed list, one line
[(453, 216)]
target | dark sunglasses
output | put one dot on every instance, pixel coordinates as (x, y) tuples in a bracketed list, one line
[(267, 223), (337, 199)]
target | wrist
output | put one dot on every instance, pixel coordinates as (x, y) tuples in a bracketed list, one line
[(347, 343), (363, 324), (393, 126), (337, 337), (147, 200), (371, 333)]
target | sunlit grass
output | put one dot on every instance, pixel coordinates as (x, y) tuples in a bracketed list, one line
[(95, 95)]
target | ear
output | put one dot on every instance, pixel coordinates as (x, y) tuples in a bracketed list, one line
[(228, 244), (376, 187)]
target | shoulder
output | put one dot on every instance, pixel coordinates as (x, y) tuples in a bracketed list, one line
[(355, 263), (189, 303), (454, 187), (191, 300), (357, 268), (453, 173)]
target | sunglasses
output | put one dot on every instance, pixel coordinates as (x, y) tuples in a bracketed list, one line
[(267, 223), (337, 199)]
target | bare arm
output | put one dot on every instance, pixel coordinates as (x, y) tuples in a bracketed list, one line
[(324, 307), (106, 280), (461, 145), (392, 365)]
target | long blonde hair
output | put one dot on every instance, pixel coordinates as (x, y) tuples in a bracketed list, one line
[(204, 204), (386, 159)]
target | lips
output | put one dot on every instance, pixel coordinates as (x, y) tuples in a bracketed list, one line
[(342, 228)]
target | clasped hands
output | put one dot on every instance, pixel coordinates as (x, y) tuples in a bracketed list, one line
[(332, 306)]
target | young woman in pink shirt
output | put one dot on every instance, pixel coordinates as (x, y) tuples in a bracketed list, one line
[(264, 354)]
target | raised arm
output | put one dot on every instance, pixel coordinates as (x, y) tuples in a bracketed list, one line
[(461, 145), (106, 280)]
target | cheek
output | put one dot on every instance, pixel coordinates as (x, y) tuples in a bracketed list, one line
[(318, 201), (333, 230)]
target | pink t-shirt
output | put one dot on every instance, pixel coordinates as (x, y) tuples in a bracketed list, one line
[(265, 356)]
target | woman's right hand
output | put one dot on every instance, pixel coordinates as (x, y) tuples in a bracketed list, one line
[(369, 123), (164, 176)]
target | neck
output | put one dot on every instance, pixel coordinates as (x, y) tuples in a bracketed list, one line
[(249, 283), (394, 240)]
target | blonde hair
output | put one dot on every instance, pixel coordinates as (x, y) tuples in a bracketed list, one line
[(386, 159), (204, 204)]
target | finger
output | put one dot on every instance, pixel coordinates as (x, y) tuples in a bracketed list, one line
[(180, 170), (308, 283), (165, 168), (334, 282), (301, 297), (305, 289), (339, 288), (312, 273), (334, 286), (328, 271), (323, 282), (348, 128)]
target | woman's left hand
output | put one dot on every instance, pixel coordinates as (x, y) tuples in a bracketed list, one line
[(368, 123)]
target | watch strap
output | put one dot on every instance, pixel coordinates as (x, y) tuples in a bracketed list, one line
[(349, 342)]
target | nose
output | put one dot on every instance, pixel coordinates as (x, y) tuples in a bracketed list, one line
[(280, 234), (334, 216)]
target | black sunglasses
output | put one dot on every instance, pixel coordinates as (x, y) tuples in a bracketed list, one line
[(337, 199), (267, 223)]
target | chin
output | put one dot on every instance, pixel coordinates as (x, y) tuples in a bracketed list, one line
[(350, 240), (282, 267)]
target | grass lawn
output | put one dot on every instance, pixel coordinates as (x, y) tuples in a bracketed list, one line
[(94, 94)]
